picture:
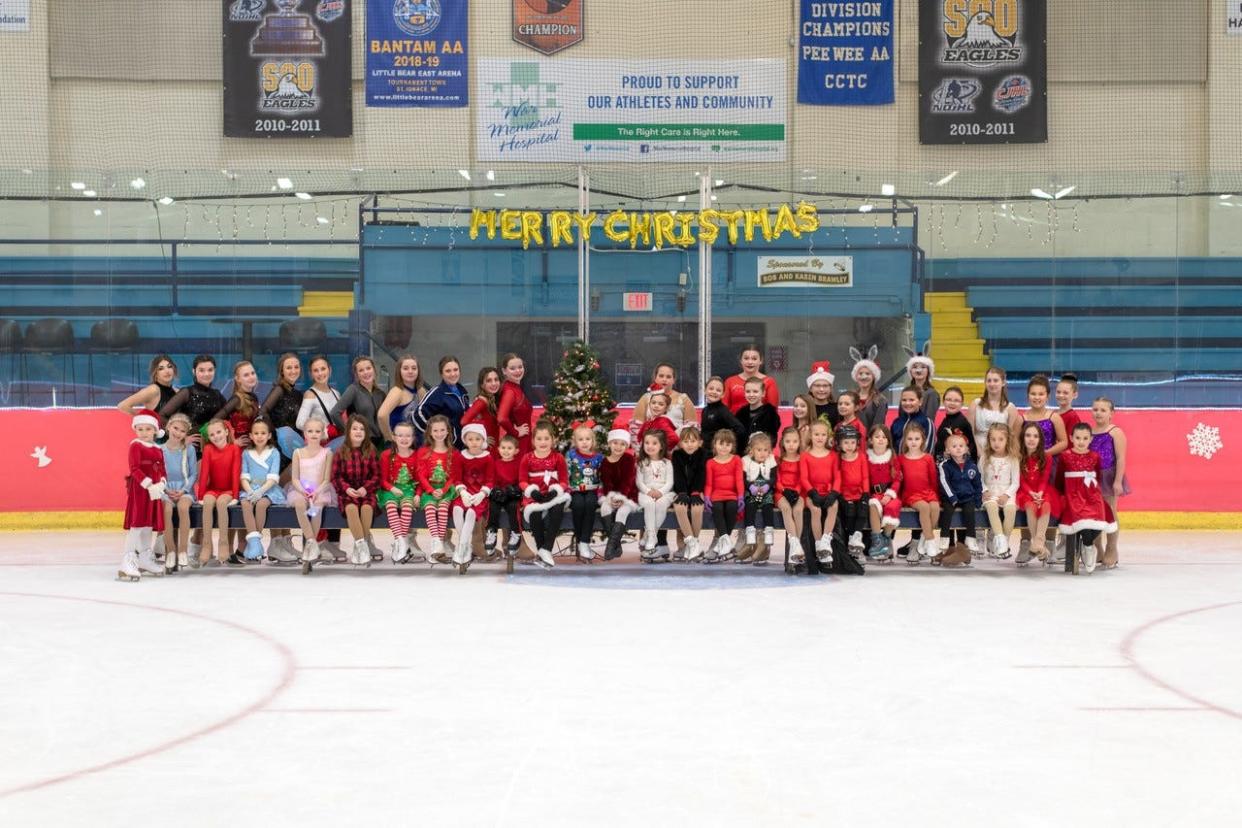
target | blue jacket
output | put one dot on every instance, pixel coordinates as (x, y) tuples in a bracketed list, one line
[(449, 400), (899, 428), (961, 483)]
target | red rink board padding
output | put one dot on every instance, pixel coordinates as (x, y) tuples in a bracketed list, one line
[(84, 450)]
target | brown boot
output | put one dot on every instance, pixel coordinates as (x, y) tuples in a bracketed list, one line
[(762, 553), (958, 555)]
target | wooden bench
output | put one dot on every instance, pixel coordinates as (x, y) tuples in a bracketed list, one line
[(284, 517)]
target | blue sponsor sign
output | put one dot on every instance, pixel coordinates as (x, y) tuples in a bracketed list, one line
[(845, 53), (417, 53)]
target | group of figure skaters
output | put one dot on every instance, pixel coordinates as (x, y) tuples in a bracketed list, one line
[(839, 474)]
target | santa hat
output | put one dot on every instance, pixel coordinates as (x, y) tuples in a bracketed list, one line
[(619, 434), (148, 417), (867, 362), (819, 371), (474, 428)]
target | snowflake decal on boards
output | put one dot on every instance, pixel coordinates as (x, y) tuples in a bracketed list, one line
[(1204, 441)]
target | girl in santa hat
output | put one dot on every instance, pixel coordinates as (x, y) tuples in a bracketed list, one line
[(478, 478), (872, 404), (819, 384), (144, 509)]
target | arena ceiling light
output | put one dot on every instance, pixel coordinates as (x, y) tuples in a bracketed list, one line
[(464, 174), (284, 183), (78, 185), (1064, 191), (491, 175), (498, 194), (888, 189), (947, 179), (166, 200), (322, 220), (1038, 193), (98, 212), (303, 196), (681, 199), (865, 208), (89, 193), (138, 183), (719, 182), (1226, 196)]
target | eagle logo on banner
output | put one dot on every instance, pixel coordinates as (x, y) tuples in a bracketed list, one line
[(547, 26)]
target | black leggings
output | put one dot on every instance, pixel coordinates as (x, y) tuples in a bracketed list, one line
[(853, 516), (510, 507), (545, 525), (724, 516), (754, 510), (946, 517), (583, 506)]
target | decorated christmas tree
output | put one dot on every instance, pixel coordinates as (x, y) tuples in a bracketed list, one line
[(579, 393)]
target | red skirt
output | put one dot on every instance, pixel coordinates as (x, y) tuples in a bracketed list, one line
[(1051, 499), (141, 512)]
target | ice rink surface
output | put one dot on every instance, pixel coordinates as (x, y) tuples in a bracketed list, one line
[(621, 694)]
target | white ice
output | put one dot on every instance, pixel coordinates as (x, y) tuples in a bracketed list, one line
[(621, 694)]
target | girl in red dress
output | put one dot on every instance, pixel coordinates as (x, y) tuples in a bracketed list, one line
[(398, 486), (505, 497), (819, 484), (513, 410), (919, 482), (1083, 510), (1036, 494), (544, 478), (438, 475), (789, 489), (484, 408), (219, 478), (884, 504), (618, 490), (478, 477), (144, 507), (723, 486)]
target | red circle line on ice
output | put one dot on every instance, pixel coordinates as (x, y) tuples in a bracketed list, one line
[(1127, 652), (288, 671)]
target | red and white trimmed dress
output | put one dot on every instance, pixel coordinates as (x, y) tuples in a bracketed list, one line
[(146, 465), (1082, 502)]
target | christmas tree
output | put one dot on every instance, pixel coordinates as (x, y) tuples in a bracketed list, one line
[(579, 393)]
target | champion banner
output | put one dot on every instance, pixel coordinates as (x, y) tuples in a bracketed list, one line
[(417, 53), (845, 53), (983, 74), (287, 69)]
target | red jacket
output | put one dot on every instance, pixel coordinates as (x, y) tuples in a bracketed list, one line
[(514, 410), (543, 473), (619, 478), (724, 480), (819, 474), (506, 471)]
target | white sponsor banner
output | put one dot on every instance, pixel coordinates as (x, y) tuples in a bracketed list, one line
[(14, 15), (806, 271), (630, 110), (1233, 17)]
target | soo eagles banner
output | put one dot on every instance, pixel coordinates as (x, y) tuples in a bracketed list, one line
[(983, 74), (287, 69), (417, 53), (845, 53)]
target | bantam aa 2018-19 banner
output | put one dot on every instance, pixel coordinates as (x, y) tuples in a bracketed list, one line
[(418, 53), (287, 69), (983, 74)]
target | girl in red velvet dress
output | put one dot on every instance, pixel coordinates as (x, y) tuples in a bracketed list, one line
[(544, 478), (485, 407), (144, 507), (1083, 510), (478, 477), (513, 410), (219, 479), (1036, 494)]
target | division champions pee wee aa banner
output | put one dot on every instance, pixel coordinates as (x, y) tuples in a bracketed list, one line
[(417, 53), (287, 69), (983, 74), (845, 53)]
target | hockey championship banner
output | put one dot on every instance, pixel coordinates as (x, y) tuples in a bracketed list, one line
[(417, 53), (547, 26), (287, 69), (983, 74), (845, 53)]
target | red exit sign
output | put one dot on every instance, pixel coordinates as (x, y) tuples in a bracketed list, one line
[(636, 301)]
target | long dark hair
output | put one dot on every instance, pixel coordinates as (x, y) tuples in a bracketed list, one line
[(480, 394), (1040, 455)]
